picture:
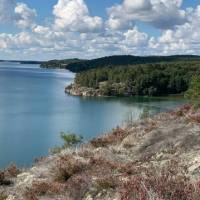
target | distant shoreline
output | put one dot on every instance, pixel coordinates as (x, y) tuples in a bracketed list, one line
[(22, 61)]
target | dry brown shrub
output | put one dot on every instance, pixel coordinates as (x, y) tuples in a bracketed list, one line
[(78, 185), (116, 136), (41, 188), (67, 167), (168, 183), (3, 180), (12, 171), (106, 183)]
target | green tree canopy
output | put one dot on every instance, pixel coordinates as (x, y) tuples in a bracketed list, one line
[(193, 92)]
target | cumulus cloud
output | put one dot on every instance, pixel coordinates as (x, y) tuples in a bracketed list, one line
[(75, 33), (183, 39), (24, 16), (17, 13), (73, 15), (162, 14), (135, 38)]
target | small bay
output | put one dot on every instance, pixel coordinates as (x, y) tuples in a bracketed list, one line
[(34, 110)]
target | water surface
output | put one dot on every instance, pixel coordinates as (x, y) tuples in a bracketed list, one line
[(34, 109)]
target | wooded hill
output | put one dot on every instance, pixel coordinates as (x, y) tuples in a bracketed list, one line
[(77, 65), (61, 64), (147, 79)]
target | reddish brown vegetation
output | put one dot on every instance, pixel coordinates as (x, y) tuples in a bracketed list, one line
[(3, 179), (113, 138), (165, 186), (181, 111), (156, 171), (169, 183), (67, 167), (107, 182), (45, 188), (12, 171)]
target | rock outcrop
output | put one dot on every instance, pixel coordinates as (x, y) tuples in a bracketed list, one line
[(77, 90), (154, 158)]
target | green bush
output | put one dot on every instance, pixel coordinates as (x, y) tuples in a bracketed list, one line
[(70, 140), (193, 93)]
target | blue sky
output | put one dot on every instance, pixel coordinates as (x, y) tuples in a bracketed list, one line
[(48, 29)]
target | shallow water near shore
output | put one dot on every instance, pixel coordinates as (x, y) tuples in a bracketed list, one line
[(34, 109)]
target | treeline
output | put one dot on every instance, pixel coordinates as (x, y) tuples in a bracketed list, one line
[(61, 64), (76, 65), (149, 79)]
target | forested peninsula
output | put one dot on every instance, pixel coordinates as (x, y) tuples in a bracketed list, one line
[(128, 75)]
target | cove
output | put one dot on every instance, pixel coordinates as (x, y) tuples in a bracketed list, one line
[(34, 110)]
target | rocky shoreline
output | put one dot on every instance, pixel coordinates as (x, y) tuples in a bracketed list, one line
[(153, 158), (77, 90)]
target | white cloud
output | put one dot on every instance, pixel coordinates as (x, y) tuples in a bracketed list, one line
[(75, 33), (24, 16), (135, 38), (6, 10), (161, 14), (73, 15), (17, 13), (181, 40)]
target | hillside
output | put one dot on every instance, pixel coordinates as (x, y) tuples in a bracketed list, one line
[(144, 80), (152, 159), (61, 64), (76, 65)]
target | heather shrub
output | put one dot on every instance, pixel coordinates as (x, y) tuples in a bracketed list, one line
[(45, 188), (78, 185), (169, 183), (66, 167), (116, 136), (106, 183), (180, 113), (3, 179), (12, 171)]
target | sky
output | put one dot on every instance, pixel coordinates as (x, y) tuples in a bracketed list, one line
[(60, 29)]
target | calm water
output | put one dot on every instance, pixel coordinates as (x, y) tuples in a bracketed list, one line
[(34, 109)]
